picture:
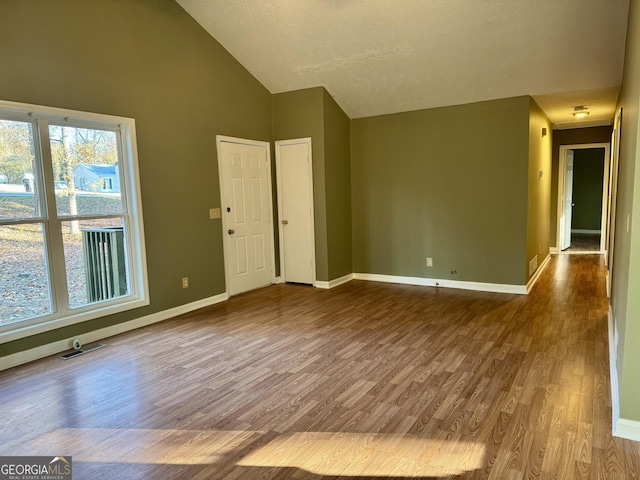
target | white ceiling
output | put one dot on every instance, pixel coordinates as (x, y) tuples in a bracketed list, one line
[(377, 57)]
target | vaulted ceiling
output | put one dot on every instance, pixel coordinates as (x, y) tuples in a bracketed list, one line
[(378, 57)]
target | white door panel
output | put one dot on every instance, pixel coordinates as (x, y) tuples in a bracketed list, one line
[(565, 234), (295, 196), (246, 205)]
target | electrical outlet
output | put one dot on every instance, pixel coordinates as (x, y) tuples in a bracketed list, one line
[(185, 282), (214, 213), (429, 262)]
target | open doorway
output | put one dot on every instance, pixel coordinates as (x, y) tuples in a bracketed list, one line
[(583, 198)]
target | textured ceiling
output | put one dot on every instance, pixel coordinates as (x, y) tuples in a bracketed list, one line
[(377, 57)]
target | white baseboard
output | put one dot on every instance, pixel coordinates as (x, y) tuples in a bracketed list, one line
[(433, 282), (42, 351), (335, 282), (277, 280), (629, 429), (586, 232), (553, 250), (613, 374), (532, 281), (622, 427)]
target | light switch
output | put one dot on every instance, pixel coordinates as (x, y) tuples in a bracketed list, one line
[(214, 213)]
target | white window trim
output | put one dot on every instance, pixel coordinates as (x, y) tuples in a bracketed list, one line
[(139, 296)]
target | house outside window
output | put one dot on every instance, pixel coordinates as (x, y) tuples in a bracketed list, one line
[(71, 232), (97, 177)]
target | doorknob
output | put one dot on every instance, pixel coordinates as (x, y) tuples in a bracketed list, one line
[(285, 222), (231, 232)]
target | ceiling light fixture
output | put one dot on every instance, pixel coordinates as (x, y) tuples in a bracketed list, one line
[(580, 111)]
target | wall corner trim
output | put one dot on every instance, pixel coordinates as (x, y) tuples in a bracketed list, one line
[(335, 282), (42, 351), (434, 282), (532, 281)]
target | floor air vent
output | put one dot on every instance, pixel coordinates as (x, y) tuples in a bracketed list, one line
[(82, 351)]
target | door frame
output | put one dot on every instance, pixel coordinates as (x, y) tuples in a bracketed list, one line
[(220, 139), (562, 168), (613, 194), (281, 143), (562, 202)]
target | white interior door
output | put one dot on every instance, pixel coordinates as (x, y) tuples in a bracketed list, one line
[(565, 234), (295, 207), (245, 180)]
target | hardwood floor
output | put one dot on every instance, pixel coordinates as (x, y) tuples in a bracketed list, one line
[(366, 380)]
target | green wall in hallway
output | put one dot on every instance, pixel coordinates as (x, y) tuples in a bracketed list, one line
[(625, 274)]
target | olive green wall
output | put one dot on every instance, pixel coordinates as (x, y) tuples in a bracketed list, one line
[(539, 186), (588, 173), (149, 60), (448, 183), (626, 258), (575, 136), (337, 160), (313, 113)]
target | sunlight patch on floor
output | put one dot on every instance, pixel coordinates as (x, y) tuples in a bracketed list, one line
[(366, 454), (322, 453)]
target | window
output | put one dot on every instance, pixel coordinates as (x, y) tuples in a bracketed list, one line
[(71, 236)]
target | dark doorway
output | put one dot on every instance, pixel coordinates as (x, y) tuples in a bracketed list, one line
[(586, 219)]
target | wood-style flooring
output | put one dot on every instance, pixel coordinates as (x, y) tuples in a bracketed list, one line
[(366, 380)]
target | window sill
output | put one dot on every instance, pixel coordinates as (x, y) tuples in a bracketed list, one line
[(18, 330)]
